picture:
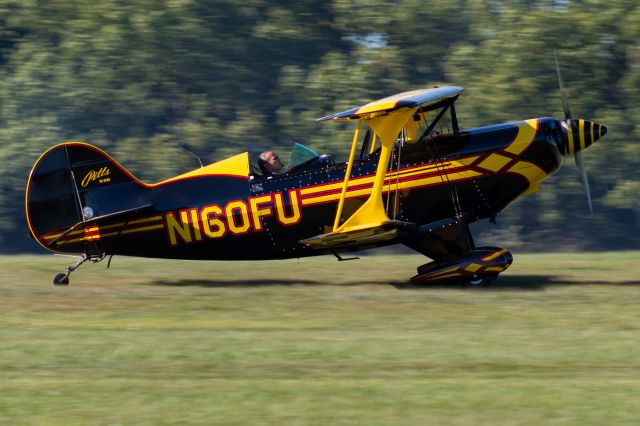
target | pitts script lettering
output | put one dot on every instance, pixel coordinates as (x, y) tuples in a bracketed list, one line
[(93, 175), (237, 217)]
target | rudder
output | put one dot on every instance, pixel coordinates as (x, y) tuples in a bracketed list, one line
[(72, 183)]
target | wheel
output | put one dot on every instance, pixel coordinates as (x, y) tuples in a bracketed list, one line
[(482, 281), (61, 279)]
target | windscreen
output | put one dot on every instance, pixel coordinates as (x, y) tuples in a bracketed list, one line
[(299, 155)]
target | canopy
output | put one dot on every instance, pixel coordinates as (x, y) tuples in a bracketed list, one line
[(414, 98)]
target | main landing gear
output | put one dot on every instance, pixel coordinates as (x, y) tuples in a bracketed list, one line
[(482, 281), (478, 269), (63, 278)]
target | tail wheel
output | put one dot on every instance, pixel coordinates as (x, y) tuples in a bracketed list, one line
[(61, 279)]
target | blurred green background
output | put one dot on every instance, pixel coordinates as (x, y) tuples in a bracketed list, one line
[(138, 78)]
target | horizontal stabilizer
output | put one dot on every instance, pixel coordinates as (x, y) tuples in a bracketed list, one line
[(96, 222)]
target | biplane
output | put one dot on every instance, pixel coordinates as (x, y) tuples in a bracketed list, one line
[(413, 176)]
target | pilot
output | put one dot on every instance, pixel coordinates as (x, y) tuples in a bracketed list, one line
[(269, 164)]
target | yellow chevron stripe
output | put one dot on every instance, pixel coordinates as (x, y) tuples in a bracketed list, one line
[(494, 255), (494, 162), (531, 172), (473, 267), (526, 133)]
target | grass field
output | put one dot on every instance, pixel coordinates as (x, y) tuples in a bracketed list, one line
[(556, 341)]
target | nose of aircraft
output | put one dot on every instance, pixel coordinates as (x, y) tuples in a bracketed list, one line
[(582, 134)]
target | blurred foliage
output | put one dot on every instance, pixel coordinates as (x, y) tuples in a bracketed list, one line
[(139, 78)]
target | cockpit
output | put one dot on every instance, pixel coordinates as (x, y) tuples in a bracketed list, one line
[(302, 158)]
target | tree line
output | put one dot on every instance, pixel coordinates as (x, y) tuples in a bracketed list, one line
[(221, 77)]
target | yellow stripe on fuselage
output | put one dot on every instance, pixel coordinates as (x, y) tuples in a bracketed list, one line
[(143, 229), (105, 227), (390, 178), (111, 234), (336, 185), (389, 186)]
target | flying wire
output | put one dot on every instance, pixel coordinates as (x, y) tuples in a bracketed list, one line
[(440, 167), (396, 198)]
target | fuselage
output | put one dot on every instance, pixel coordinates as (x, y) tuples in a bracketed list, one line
[(476, 173)]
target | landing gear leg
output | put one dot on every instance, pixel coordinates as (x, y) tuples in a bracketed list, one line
[(63, 278)]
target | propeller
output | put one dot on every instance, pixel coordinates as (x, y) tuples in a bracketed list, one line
[(570, 129)]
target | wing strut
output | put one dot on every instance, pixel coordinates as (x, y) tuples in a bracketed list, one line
[(370, 223), (347, 175)]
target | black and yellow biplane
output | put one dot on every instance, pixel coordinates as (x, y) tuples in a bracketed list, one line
[(413, 177)]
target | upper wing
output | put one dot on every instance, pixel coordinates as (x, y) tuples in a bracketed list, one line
[(414, 98)]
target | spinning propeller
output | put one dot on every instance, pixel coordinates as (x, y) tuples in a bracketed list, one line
[(578, 135)]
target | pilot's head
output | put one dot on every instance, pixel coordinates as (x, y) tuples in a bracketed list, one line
[(269, 162)]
